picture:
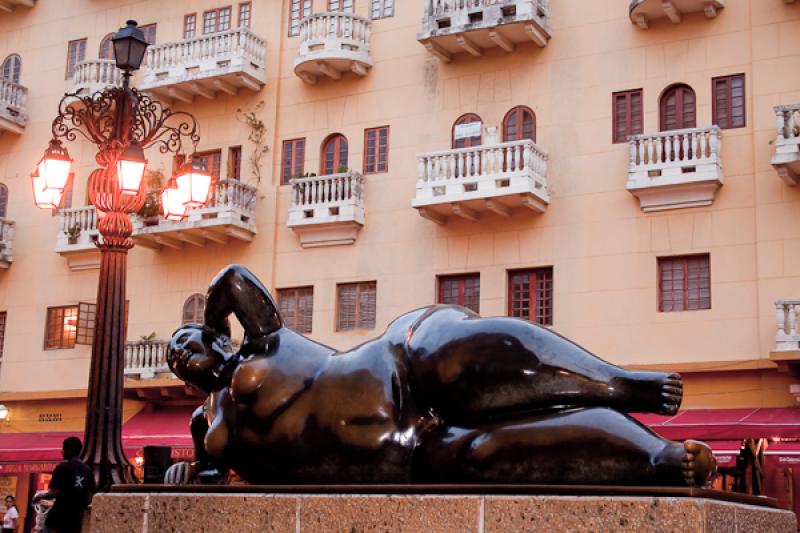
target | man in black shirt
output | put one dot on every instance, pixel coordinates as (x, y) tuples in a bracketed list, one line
[(72, 486)]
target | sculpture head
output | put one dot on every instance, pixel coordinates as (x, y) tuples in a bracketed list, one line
[(200, 357)]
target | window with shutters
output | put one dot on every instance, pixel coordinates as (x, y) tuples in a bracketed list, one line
[(12, 66), (334, 155), (76, 52), (2, 334), (627, 114), (234, 162), (356, 304), (3, 200), (345, 6), (62, 327), (463, 290), (106, 50), (727, 105), (678, 108), (294, 153), (684, 283), (189, 25), (296, 306), (149, 31), (217, 20), (376, 150), (459, 138), (381, 9), (298, 10), (194, 309), (212, 160), (245, 9), (87, 313), (530, 295), (518, 124)]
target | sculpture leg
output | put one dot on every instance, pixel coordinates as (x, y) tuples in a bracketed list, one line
[(595, 446), (468, 368)]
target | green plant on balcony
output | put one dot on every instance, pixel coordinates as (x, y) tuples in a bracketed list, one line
[(305, 175), (151, 210), (257, 137), (342, 169), (150, 337)]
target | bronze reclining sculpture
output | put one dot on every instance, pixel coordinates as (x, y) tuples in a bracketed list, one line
[(443, 396)]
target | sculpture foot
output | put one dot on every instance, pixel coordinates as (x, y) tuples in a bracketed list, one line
[(698, 464), (653, 392)]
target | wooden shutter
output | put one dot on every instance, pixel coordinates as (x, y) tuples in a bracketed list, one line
[(356, 306), (519, 124), (212, 161), (87, 313), (296, 307), (382, 9), (3, 318), (530, 295), (189, 25), (293, 159), (463, 290), (334, 154), (245, 10), (684, 283), (76, 52), (234, 162), (299, 9), (149, 31), (728, 108), (344, 6), (61, 328), (224, 19), (376, 150), (678, 108), (12, 66), (194, 309), (627, 114), (210, 21), (3, 200)]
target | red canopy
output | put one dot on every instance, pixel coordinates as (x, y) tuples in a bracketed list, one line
[(166, 427), (726, 424)]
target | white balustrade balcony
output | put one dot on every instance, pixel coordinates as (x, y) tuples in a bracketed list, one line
[(11, 5), (95, 75), (146, 359), (786, 158), (332, 44), (205, 65), (13, 112), (675, 169), (642, 12), (229, 215), (327, 210), (6, 242), (494, 177), (786, 336), (77, 237), (453, 26)]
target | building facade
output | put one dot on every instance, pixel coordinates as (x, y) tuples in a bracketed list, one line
[(623, 172)]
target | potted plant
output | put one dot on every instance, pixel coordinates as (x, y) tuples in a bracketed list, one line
[(151, 210), (73, 233), (342, 169)]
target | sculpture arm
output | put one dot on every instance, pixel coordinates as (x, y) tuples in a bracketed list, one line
[(236, 290)]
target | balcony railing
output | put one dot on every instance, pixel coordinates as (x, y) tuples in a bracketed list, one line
[(145, 359), (493, 177), (230, 214), (327, 210), (95, 75), (642, 12), (787, 337), (205, 65), (6, 242), (453, 26), (786, 158), (332, 44), (675, 169), (13, 102)]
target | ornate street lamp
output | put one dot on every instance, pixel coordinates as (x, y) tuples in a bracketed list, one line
[(122, 123)]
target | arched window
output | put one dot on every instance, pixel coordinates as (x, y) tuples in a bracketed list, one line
[(11, 68), (459, 141), (334, 154), (3, 199), (519, 124), (106, 48), (193, 309), (678, 108)]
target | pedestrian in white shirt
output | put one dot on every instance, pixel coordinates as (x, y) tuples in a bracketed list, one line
[(11, 517)]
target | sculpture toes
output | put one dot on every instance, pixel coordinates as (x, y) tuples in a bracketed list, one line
[(671, 389)]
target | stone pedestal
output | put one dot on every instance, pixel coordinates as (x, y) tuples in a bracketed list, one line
[(244, 512)]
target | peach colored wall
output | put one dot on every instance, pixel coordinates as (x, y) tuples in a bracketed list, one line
[(603, 249)]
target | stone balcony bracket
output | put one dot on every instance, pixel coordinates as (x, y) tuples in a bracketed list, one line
[(642, 12), (205, 65), (332, 44), (675, 169), (327, 210), (468, 182), (13, 107), (450, 27), (786, 157), (6, 242)]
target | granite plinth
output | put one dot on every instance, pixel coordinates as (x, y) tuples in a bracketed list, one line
[(242, 512)]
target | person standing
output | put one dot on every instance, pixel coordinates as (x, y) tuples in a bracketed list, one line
[(72, 487), (11, 517)]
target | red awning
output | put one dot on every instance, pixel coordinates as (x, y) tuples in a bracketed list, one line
[(150, 427), (726, 424)]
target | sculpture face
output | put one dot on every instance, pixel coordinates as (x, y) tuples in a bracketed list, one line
[(199, 358)]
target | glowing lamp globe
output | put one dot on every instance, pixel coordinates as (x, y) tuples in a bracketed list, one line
[(130, 169), (42, 196), (194, 183), (54, 167), (172, 204)]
